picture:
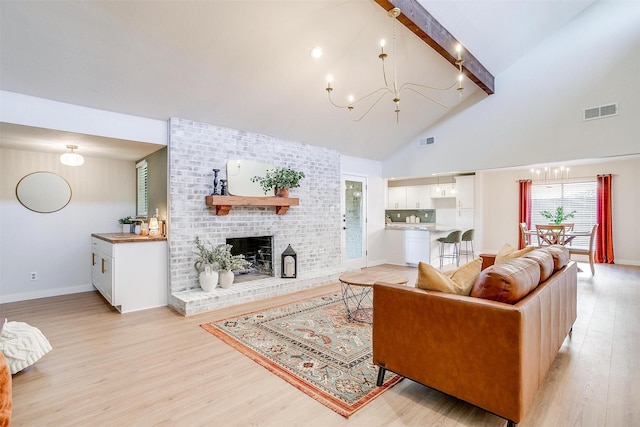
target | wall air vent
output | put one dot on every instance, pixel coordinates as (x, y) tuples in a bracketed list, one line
[(423, 142), (600, 112)]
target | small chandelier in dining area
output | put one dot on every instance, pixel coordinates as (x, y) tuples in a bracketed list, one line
[(392, 87), (549, 174), (71, 158)]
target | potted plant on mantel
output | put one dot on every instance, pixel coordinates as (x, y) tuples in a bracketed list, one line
[(280, 179), (558, 216), (215, 264)]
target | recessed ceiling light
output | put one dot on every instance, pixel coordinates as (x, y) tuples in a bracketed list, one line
[(316, 52)]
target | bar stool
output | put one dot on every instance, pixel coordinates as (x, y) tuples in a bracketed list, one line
[(467, 238), (453, 238)]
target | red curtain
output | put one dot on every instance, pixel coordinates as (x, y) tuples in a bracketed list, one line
[(524, 208), (604, 234)]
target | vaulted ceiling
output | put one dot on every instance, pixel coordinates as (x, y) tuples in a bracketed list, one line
[(246, 64)]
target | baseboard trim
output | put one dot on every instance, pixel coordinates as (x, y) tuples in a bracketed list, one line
[(45, 293)]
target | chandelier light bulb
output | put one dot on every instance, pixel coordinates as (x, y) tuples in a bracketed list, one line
[(316, 52)]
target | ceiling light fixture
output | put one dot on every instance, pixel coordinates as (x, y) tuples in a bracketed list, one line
[(71, 159), (316, 52), (394, 89)]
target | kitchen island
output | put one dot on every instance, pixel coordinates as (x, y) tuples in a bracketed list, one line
[(411, 243)]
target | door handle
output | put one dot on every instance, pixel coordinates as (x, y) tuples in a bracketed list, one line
[(103, 270), (93, 258)]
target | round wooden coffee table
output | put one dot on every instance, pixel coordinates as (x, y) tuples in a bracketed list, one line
[(357, 292)]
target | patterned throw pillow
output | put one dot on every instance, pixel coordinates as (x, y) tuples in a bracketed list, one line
[(509, 252), (459, 281)]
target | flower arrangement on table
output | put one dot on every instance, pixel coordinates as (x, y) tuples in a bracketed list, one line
[(558, 216)]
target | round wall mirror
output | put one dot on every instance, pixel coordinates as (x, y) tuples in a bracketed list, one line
[(43, 192)]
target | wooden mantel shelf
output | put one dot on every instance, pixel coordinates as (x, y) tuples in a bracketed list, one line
[(223, 204)]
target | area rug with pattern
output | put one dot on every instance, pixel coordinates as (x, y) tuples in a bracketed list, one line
[(312, 345)]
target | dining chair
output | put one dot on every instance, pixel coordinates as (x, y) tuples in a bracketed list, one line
[(523, 232), (550, 234), (587, 251)]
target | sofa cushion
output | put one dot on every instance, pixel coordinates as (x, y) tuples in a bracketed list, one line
[(509, 252), (544, 259), (459, 281), (560, 255), (507, 282)]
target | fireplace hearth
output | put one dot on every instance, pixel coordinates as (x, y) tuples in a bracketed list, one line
[(258, 251)]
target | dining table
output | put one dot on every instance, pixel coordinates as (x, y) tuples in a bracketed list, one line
[(569, 235)]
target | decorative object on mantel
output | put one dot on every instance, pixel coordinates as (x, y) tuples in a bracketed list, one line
[(224, 204), (329, 358), (239, 174), (223, 185), (558, 216), (393, 88), (215, 182), (281, 179), (289, 263)]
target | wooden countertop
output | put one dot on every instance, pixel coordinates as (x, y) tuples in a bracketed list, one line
[(127, 237)]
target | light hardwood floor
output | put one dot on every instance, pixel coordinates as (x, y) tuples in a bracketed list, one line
[(156, 367)]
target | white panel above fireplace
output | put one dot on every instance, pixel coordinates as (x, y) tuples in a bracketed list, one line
[(239, 174)]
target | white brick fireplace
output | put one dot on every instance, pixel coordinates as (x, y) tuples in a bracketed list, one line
[(312, 228)]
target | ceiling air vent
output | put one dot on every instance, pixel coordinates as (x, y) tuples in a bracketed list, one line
[(600, 112), (423, 142)]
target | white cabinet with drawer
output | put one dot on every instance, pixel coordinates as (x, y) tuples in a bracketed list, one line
[(130, 275)]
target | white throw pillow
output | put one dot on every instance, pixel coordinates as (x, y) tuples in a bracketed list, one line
[(22, 345)]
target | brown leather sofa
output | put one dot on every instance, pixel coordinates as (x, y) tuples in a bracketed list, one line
[(491, 354)]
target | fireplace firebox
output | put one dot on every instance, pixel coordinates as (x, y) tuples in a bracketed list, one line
[(258, 251)]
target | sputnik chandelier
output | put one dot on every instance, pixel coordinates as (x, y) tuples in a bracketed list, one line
[(394, 89)]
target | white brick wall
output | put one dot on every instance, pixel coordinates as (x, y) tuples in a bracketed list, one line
[(312, 229)]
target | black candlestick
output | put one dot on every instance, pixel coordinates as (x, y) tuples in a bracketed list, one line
[(215, 182), (223, 185)]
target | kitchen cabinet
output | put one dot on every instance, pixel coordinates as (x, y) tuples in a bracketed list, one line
[(416, 246), (464, 194), (419, 197), (443, 191), (131, 273), (397, 198), (465, 202)]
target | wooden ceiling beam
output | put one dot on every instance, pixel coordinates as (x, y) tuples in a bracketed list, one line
[(425, 26)]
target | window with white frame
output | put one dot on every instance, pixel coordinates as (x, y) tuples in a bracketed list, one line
[(141, 206), (580, 197)]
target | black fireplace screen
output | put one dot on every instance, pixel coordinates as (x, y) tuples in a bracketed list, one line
[(258, 251)]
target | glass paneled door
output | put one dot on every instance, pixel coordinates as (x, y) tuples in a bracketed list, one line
[(354, 221)]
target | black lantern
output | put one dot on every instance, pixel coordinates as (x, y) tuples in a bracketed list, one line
[(289, 263)]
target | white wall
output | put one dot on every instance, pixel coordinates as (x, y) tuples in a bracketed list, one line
[(535, 115), (57, 245), (372, 170), (499, 209), (43, 113)]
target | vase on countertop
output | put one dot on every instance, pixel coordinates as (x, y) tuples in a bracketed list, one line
[(225, 278)]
